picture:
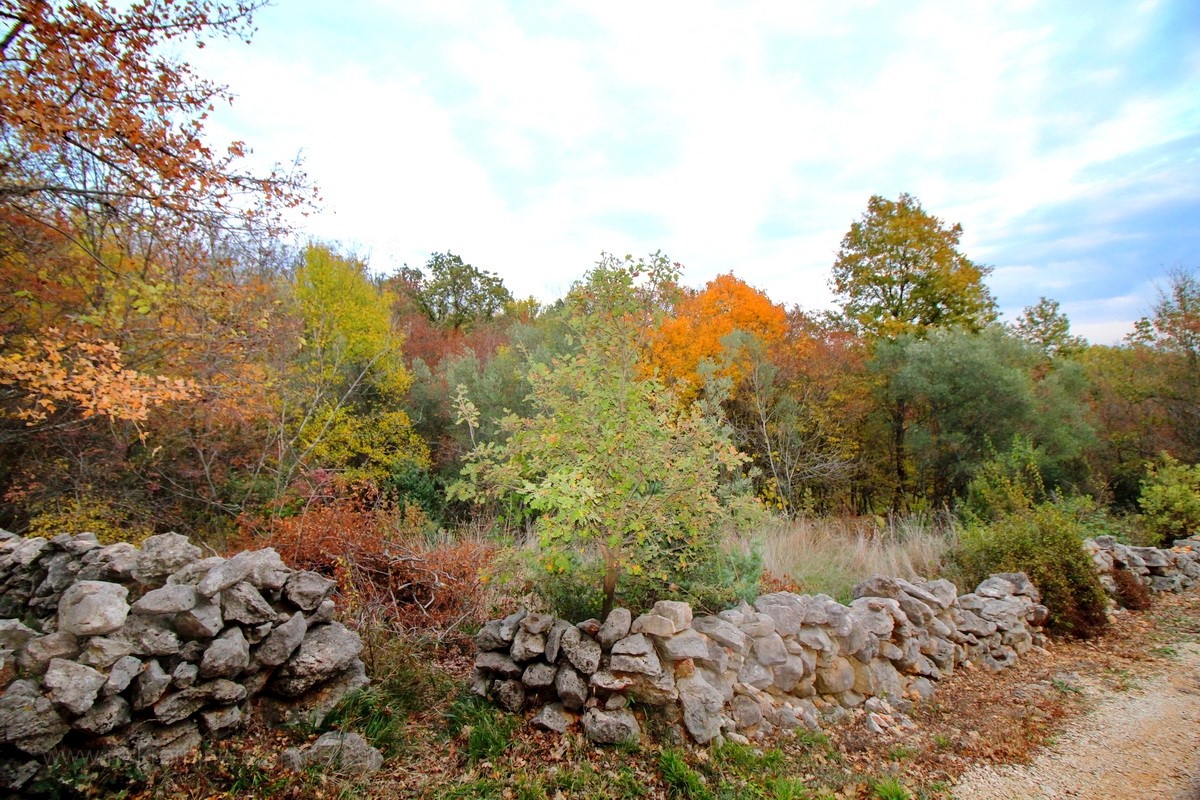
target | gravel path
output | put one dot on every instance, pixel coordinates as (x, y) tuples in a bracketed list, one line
[(1139, 744)]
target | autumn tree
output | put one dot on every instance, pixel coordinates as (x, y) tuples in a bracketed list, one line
[(695, 332), (454, 294), (99, 122), (610, 464), (899, 270), (899, 273), (1045, 326)]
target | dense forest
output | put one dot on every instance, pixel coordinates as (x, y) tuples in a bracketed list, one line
[(171, 360)]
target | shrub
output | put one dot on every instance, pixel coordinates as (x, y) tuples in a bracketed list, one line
[(1046, 543), (1170, 500), (1131, 592), (1005, 484), (87, 514), (380, 556)]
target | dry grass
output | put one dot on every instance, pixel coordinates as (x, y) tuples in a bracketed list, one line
[(831, 555)]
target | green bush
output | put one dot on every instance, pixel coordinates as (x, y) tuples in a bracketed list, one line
[(1005, 484), (1046, 543), (1170, 500)]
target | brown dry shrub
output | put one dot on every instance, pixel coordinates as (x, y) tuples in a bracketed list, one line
[(385, 568), (1131, 592)]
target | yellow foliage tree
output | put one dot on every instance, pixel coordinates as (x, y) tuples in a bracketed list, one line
[(702, 320)]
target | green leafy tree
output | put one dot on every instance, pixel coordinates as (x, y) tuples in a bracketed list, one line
[(899, 271), (607, 460), (1170, 500), (1046, 327), (457, 295)]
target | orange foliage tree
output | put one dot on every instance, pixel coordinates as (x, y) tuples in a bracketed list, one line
[(702, 320)]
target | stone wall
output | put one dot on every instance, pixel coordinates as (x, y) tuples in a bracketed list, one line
[(787, 659), (138, 651)]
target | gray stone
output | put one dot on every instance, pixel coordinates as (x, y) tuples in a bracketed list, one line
[(190, 574), (581, 650), (498, 663), (814, 639), (102, 652), (537, 623), (229, 572), (607, 681), (679, 613), (511, 695), (122, 673), (326, 651), (104, 717), (754, 674), (170, 599), (92, 608), (635, 654), (161, 555), (202, 622), (488, 637), (35, 656), (538, 675), (149, 685), (554, 717), (785, 609), (344, 752), (73, 686), (306, 590), (873, 614), (746, 712), (995, 587), (28, 720), (769, 650), (243, 603), (267, 570), (314, 705), (836, 678), (324, 613), (723, 633), (114, 562), (227, 656), (226, 691), (220, 721), (687, 644), (178, 706), (757, 624), (615, 627), (527, 646), (14, 633), (654, 625), (257, 633), (282, 641), (554, 639), (184, 675), (150, 636), (610, 727), (702, 707), (788, 674), (654, 690), (511, 624), (571, 688)]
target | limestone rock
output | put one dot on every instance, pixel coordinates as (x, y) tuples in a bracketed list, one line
[(554, 717), (702, 707), (170, 599), (102, 652), (326, 651), (28, 720), (227, 656), (306, 590), (581, 650), (343, 752), (282, 641), (571, 688), (227, 573), (538, 675), (527, 646), (243, 603), (14, 633), (610, 727), (150, 636), (687, 644), (104, 717), (122, 673), (499, 663), (161, 555), (36, 655), (615, 627), (149, 685), (73, 686), (92, 608), (202, 622), (511, 695)]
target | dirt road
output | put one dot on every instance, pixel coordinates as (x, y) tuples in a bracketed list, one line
[(1137, 743)]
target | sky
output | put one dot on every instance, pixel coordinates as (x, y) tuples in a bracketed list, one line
[(530, 137)]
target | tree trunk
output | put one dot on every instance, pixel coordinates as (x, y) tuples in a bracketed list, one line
[(611, 571), (899, 412)]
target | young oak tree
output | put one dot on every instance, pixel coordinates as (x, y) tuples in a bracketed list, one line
[(608, 461)]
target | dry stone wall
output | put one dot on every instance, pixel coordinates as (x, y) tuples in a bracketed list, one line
[(785, 661), (137, 652)]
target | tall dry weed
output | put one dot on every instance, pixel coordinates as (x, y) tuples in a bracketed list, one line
[(831, 555)]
